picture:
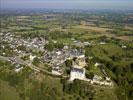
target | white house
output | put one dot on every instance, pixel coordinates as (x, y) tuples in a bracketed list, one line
[(77, 73), (97, 64), (102, 42), (56, 72), (78, 70), (124, 46), (18, 69), (32, 57)]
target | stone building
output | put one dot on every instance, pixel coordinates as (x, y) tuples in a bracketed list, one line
[(78, 70)]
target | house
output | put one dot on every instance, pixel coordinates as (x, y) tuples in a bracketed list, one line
[(90, 57), (56, 70), (102, 43), (124, 46), (97, 64), (77, 73), (78, 70), (32, 57), (18, 68), (108, 79), (54, 41), (97, 78), (86, 43), (3, 53), (65, 47), (58, 52)]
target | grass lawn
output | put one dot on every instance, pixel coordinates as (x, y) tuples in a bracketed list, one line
[(7, 92), (105, 93)]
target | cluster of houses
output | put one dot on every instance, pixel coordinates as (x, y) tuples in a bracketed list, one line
[(86, 43), (57, 57), (15, 41)]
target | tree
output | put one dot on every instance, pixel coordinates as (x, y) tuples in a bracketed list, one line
[(90, 75), (36, 61), (49, 46), (59, 45), (68, 63)]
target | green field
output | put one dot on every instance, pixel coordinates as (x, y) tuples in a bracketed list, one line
[(8, 92)]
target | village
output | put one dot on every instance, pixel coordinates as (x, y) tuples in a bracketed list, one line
[(66, 54), (23, 52)]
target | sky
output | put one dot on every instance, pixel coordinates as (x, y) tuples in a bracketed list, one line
[(68, 4)]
